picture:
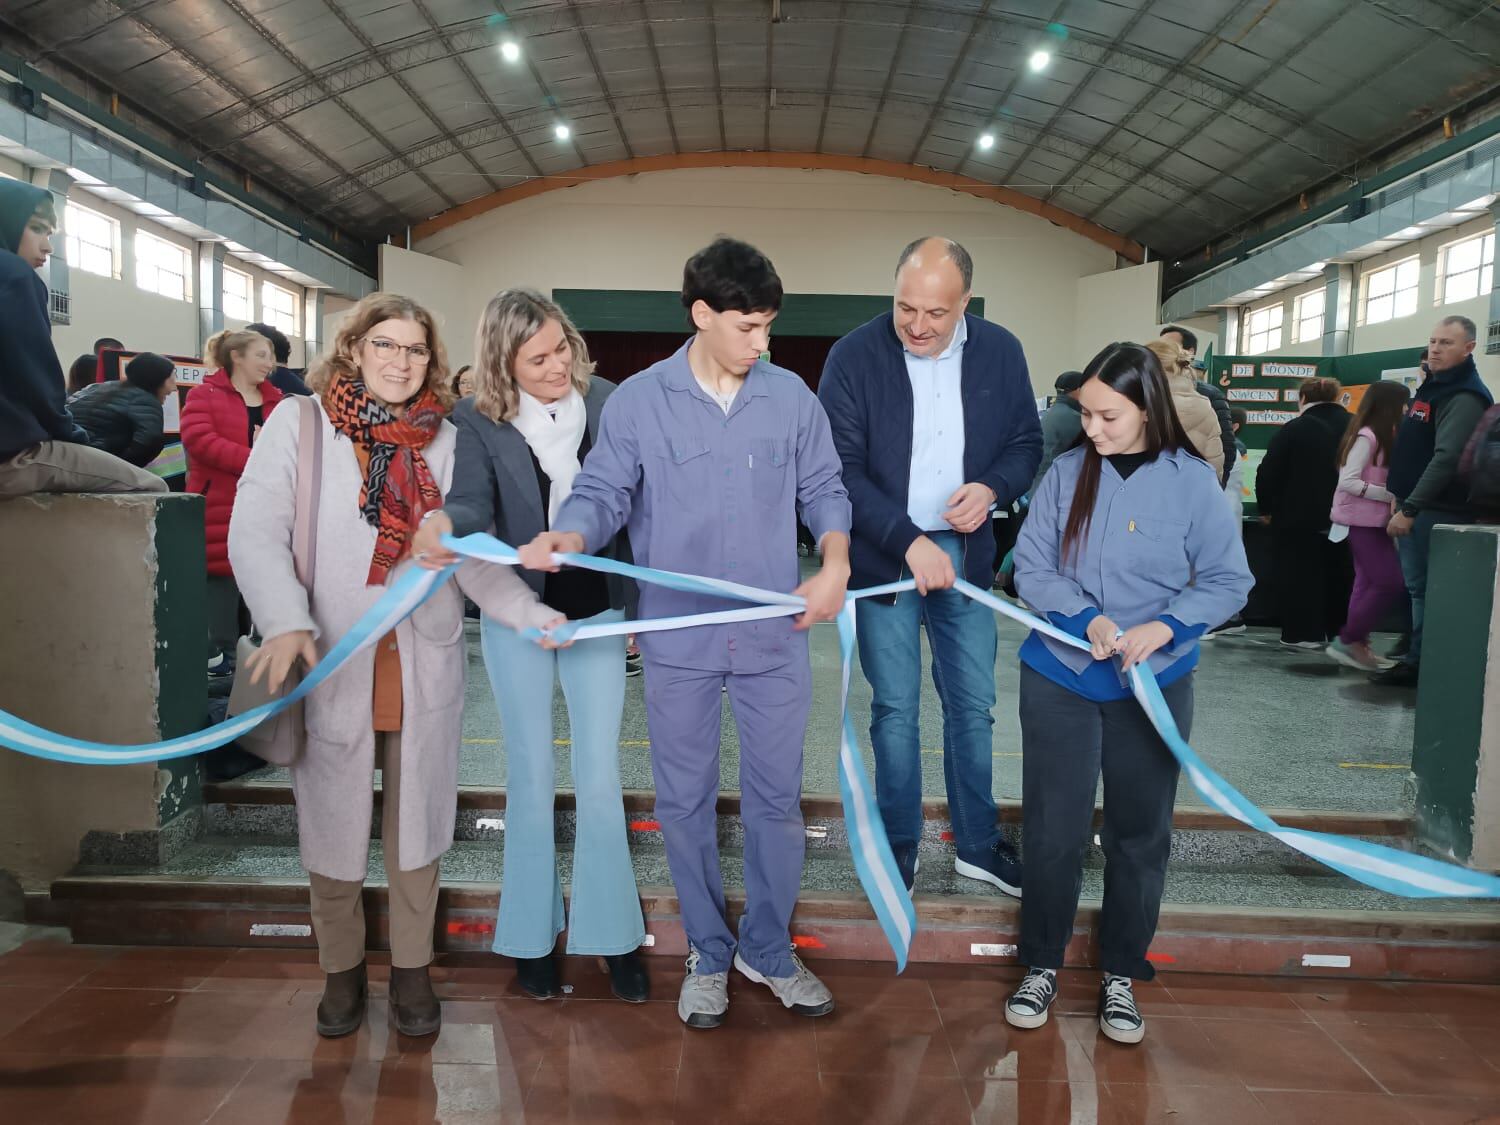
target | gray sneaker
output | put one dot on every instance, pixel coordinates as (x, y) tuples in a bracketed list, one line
[(802, 992), (705, 996)]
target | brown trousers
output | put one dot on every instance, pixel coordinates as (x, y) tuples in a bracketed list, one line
[(65, 466), (338, 913)]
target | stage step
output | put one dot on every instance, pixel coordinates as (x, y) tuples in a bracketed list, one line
[(1260, 918), (264, 812)]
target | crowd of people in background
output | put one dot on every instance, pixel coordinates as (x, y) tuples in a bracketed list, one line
[(1125, 498)]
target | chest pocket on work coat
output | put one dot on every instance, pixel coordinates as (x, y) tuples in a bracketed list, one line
[(1156, 545), (682, 470), (769, 461)]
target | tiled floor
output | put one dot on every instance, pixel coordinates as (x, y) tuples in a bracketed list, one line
[(162, 1036)]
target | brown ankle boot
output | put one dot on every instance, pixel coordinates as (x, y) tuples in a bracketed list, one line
[(413, 1003), (342, 1008)]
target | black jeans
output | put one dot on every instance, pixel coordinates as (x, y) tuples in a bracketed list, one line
[(1066, 741)]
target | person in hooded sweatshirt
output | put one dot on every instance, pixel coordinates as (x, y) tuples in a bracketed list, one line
[(41, 448), (126, 416)]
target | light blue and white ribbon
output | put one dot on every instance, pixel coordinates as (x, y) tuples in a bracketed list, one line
[(1386, 869)]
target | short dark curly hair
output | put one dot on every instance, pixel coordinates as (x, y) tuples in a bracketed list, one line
[(730, 274)]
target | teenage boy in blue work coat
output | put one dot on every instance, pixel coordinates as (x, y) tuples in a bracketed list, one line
[(708, 457)]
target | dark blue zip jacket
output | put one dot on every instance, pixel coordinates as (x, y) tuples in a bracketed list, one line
[(867, 395)]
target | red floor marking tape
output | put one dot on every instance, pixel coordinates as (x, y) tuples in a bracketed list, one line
[(645, 826), (456, 929), (1161, 958), (947, 837), (803, 941)]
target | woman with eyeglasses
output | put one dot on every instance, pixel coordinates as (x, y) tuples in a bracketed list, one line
[(382, 398)]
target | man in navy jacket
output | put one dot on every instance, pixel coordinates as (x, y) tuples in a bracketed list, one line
[(935, 422)]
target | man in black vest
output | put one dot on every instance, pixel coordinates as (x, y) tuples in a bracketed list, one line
[(1424, 468)]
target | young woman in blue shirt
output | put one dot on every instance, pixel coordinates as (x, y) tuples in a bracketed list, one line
[(1129, 546)]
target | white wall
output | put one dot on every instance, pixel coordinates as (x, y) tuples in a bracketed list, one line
[(1409, 331), (1118, 305), (117, 307), (827, 232), (441, 286), (103, 306)]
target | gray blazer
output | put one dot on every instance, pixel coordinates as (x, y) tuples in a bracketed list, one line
[(495, 487)]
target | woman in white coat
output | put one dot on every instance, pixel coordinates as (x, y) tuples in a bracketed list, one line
[(382, 396)]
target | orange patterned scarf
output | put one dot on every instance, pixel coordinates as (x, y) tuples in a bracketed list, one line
[(399, 487)]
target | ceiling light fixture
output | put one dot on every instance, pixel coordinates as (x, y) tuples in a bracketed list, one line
[(510, 50), (562, 132), (986, 141), (1040, 60)]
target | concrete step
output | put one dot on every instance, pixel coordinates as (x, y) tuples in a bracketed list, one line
[(264, 811), (1214, 919)]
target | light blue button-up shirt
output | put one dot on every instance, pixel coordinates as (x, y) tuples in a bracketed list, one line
[(937, 438), (704, 492)]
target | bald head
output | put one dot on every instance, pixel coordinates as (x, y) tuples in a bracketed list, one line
[(933, 277)]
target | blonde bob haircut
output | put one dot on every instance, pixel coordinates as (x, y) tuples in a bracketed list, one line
[(224, 345), (339, 361), (512, 317)]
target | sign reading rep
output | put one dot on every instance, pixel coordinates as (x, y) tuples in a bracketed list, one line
[(1269, 417)]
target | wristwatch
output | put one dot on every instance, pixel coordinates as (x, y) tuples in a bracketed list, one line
[(1408, 511)]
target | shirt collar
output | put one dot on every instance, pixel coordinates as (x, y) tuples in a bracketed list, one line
[(678, 375), (955, 345)]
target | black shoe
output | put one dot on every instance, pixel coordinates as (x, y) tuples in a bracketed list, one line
[(1000, 867), (537, 977), (1401, 647), (342, 1008), (907, 863), (1030, 1003), (413, 1003), (632, 664), (1399, 674), (627, 977), (1119, 1018)]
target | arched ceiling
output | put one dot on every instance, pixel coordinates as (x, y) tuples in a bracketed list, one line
[(1166, 121)]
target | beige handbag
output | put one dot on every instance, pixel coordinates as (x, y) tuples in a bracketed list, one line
[(279, 740)]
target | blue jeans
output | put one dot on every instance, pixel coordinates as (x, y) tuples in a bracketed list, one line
[(1413, 550), (961, 634), (606, 910)]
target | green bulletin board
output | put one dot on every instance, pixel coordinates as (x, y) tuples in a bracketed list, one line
[(1266, 387)]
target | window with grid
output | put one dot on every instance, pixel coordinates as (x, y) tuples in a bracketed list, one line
[(1263, 329), (91, 241), (1308, 314), (1465, 269), (239, 295), (279, 307), (1391, 293), (162, 267)]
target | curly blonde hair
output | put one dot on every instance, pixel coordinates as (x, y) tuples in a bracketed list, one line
[(227, 343), (512, 317), (339, 362)]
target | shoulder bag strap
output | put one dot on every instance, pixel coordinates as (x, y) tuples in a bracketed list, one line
[(309, 482)]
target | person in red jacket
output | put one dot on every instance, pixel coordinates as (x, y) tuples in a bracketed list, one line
[(220, 422)]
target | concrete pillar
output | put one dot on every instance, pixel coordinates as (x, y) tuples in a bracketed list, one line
[(102, 620), (58, 182), (1338, 307), (1489, 335), (210, 290), (312, 324), (1456, 753), (1229, 330)]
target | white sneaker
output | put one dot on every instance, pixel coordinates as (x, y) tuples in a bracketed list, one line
[(1030, 1003), (705, 996), (802, 992)]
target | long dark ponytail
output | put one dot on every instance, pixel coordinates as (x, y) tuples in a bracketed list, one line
[(1135, 372), (1380, 408)]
